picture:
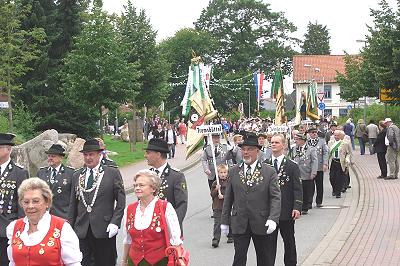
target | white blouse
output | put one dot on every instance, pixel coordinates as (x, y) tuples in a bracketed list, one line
[(143, 221), (70, 252)]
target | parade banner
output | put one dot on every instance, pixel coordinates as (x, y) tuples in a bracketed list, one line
[(312, 107), (278, 93), (274, 129)]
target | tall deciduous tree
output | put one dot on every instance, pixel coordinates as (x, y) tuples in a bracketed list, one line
[(97, 73), (18, 47), (316, 40), (250, 36), (139, 42)]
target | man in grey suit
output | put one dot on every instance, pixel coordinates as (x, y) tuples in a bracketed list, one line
[(322, 153), (59, 178), (221, 157), (252, 205), (173, 183), (96, 207), (306, 158), (11, 177)]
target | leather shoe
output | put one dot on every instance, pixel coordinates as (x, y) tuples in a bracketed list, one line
[(319, 205), (304, 212), (215, 243), (380, 177), (230, 240), (338, 196), (389, 177)]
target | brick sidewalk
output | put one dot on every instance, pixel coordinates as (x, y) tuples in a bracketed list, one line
[(375, 239)]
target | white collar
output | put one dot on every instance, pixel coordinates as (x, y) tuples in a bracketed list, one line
[(43, 223), (95, 169), (4, 165), (57, 168), (279, 158), (252, 166), (161, 168)]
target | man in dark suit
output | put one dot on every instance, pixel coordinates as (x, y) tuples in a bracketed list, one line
[(96, 206), (252, 205), (104, 159), (291, 198), (173, 182), (59, 178), (11, 176)]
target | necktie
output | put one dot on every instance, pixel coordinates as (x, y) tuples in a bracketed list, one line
[(276, 165), (90, 180), (248, 172), (155, 170), (337, 153), (53, 176)]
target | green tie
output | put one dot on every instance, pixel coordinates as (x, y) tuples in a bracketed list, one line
[(90, 180)]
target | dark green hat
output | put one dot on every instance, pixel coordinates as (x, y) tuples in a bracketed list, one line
[(91, 145), (301, 136), (7, 139), (56, 149), (251, 140), (157, 145)]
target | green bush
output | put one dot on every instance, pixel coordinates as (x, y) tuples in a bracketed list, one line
[(376, 112), (25, 122)]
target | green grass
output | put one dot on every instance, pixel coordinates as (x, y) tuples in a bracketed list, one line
[(125, 156)]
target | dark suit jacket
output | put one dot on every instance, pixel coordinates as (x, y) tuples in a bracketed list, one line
[(291, 188), (10, 181), (62, 189), (108, 207), (108, 162), (380, 146), (252, 205), (173, 189)]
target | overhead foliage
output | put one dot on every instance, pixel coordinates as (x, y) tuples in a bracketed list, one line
[(316, 40)]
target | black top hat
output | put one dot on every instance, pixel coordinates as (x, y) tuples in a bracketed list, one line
[(56, 149), (7, 139), (301, 136), (91, 145), (251, 140), (158, 145)]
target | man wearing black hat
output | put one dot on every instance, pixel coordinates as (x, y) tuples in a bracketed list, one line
[(221, 157), (306, 157), (11, 176), (173, 183), (59, 178), (252, 205), (97, 206), (329, 134), (322, 153)]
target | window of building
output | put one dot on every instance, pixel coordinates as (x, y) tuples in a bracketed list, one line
[(328, 91), (327, 112), (343, 111)]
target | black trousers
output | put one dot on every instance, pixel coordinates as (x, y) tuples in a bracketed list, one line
[(286, 228), (308, 194), (382, 163), (262, 245), (337, 177), (319, 185), (3, 251), (101, 249), (346, 179)]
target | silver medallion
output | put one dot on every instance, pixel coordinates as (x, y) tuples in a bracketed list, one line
[(158, 229), (89, 209), (59, 191)]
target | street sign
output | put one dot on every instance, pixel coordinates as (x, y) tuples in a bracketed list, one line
[(320, 96), (277, 129), (3, 105), (384, 96), (349, 106), (209, 129), (321, 106)]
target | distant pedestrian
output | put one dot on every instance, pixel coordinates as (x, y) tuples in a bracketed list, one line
[(372, 131), (349, 130), (218, 202), (159, 133), (393, 148), (182, 131), (170, 138), (361, 134), (380, 149), (329, 134)]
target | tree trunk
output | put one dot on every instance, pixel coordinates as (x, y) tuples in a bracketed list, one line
[(10, 114), (101, 123)]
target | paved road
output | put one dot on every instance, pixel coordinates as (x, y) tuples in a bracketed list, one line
[(310, 229)]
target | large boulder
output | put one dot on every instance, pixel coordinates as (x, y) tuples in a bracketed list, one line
[(31, 154), (75, 157), (125, 133), (66, 140)]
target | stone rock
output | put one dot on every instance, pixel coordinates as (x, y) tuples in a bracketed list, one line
[(75, 157), (125, 133), (31, 154), (66, 140)]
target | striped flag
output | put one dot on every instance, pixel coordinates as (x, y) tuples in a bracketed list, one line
[(312, 108), (279, 95), (258, 79)]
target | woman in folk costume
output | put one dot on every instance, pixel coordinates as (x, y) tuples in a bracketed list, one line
[(145, 222), (40, 238)]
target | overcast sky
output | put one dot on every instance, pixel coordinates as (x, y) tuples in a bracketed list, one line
[(345, 19)]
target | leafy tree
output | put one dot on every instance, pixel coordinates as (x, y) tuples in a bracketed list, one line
[(96, 71), (316, 40), (249, 36), (178, 51), (18, 47), (139, 42)]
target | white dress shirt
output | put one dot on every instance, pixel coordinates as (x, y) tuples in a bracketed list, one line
[(4, 165), (252, 166), (95, 172), (143, 221), (161, 169), (70, 252), (280, 159)]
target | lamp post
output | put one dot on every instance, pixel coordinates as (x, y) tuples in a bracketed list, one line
[(249, 100), (365, 97)]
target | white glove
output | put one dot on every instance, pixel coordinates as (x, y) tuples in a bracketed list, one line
[(112, 230), (224, 229), (271, 226)]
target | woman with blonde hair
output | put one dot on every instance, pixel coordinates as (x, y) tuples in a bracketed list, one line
[(146, 223), (42, 238)]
